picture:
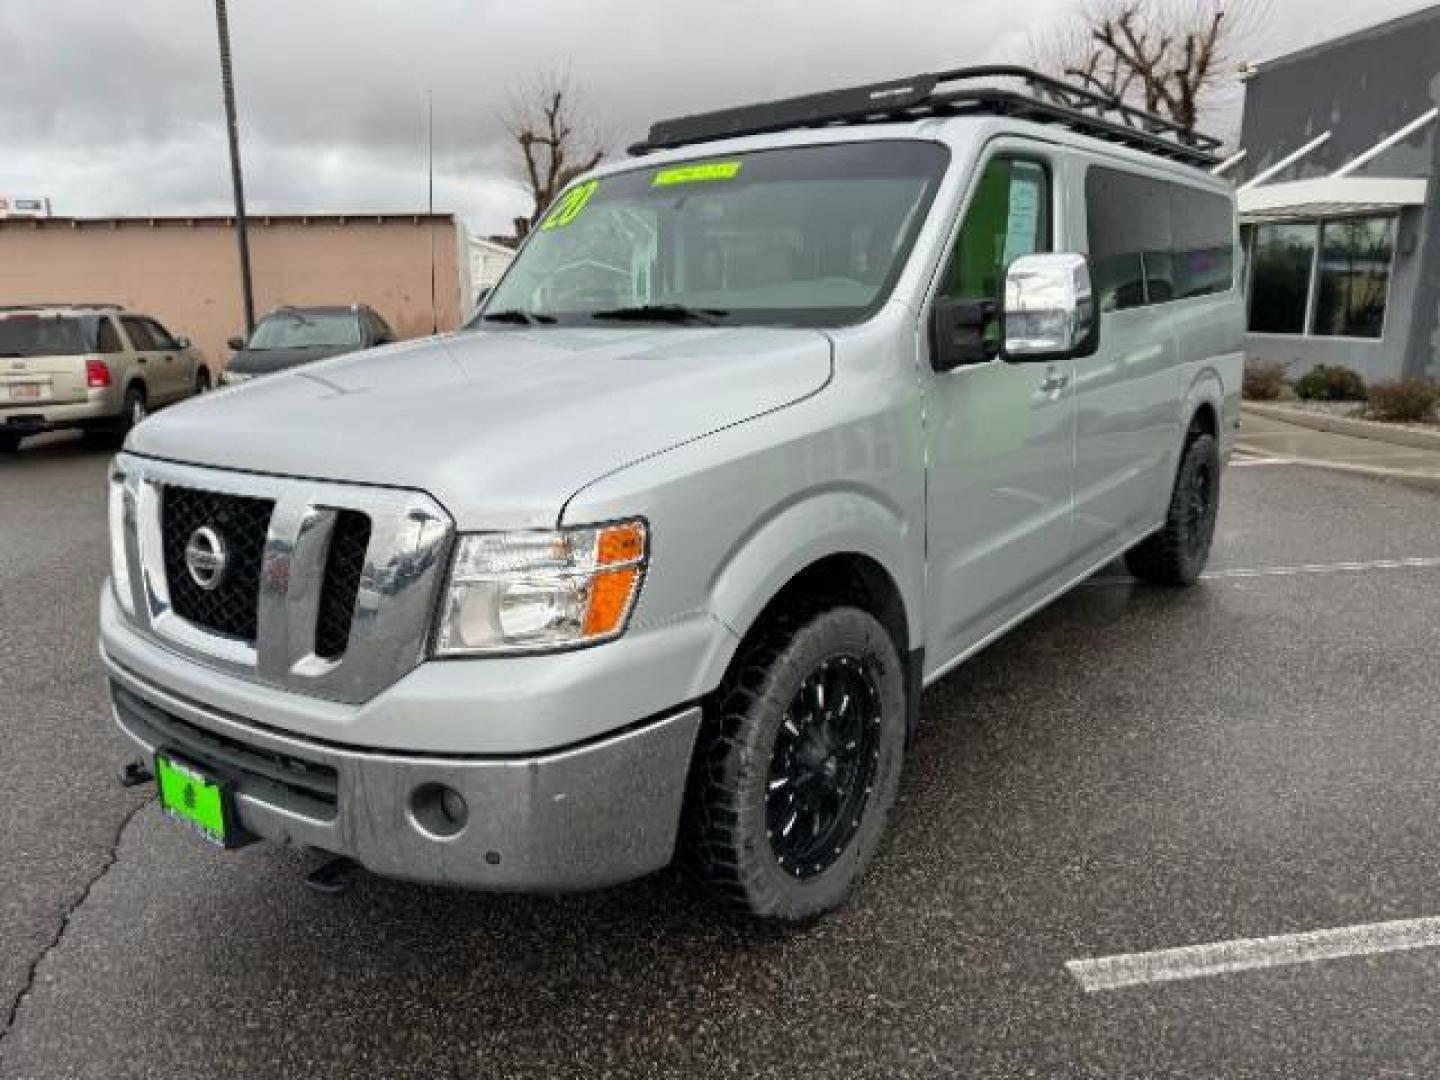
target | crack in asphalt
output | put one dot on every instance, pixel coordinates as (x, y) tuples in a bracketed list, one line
[(32, 972)]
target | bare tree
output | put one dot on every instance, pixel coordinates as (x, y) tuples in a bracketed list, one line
[(1168, 56), (554, 140)]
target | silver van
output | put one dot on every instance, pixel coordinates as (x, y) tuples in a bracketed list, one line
[(764, 430)]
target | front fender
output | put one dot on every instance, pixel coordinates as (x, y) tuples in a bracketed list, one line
[(837, 521)]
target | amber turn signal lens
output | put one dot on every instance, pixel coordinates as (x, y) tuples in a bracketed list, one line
[(621, 544), (610, 596)]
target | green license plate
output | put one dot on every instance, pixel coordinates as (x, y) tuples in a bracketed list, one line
[(191, 797)]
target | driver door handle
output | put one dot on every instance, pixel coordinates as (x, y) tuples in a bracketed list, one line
[(1055, 381)]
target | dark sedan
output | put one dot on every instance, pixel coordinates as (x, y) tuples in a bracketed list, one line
[(291, 336)]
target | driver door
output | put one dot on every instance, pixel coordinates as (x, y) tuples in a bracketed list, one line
[(1000, 436)]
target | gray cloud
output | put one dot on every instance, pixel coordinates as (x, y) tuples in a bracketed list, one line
[(115, 108)]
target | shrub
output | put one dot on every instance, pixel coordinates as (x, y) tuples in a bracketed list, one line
[(1330, 382), (1403, 400), (1264, 380)]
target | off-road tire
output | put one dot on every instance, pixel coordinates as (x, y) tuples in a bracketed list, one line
[(725, 842), (1177, 554)]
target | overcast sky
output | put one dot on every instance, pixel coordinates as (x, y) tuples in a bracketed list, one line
[(114, 107)]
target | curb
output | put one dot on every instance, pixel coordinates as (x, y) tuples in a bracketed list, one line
[(1340, 425)]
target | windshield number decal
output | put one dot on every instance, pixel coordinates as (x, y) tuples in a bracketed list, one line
[(694, 174), (568, 208)]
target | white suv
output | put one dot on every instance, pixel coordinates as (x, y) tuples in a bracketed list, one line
[(90, 366)]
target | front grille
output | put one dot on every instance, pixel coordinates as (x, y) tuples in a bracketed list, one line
[(231, 608), (283, 780), (348, 544), (327, 588)]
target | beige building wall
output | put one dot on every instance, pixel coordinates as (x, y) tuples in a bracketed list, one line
[(185, 271)]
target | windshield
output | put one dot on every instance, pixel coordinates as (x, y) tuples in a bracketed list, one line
[(41, 335), (811, 236), (298, 330)]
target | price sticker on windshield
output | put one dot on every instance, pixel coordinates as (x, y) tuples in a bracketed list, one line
[(695, 174), (569, 207)]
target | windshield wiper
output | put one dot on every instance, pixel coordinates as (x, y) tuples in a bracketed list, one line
[(677, 313), (515, 315)]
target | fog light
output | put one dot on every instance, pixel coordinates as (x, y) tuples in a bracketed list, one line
[(439, 810)]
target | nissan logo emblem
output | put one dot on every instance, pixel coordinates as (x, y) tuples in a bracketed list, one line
[(206, 558)]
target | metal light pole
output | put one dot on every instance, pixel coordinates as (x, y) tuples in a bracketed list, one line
[(242, 234)]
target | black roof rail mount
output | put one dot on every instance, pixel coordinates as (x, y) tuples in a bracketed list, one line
[(963, 91)]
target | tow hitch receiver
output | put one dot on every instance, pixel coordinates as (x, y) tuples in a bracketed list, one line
[(333, 879)]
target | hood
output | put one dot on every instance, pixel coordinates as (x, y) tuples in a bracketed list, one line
[(501, 426), (269, 361)]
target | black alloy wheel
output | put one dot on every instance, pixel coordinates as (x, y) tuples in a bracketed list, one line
[(823, 769), (1176, 555)]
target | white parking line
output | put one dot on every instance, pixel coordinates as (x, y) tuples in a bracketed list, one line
[(1426, 563), (1252, 954), (1326, 568)]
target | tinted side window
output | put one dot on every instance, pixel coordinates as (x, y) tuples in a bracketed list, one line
[(160, 336), (107, 338), (1204, 260), (1128, 216), (137, 333), (1153, 241), (1009, 216)]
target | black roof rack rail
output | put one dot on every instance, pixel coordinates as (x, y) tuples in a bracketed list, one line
[(963, 91), (61, 304)]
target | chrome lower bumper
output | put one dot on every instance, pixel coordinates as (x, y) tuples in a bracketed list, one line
[(598, 814)]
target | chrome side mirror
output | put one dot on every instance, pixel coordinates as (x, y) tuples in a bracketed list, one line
[(1050, 309)]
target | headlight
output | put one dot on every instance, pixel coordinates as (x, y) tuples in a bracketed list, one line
[(233, 378), (532, 591)]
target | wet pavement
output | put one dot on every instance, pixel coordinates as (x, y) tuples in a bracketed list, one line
[(1131, 770)]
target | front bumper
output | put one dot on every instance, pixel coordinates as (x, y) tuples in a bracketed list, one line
[(578, 818)]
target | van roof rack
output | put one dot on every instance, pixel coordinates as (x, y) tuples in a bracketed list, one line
[(960, 92)]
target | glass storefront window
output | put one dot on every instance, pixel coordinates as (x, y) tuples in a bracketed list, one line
[(1355, 257), (1349, 261), (1280, 291)]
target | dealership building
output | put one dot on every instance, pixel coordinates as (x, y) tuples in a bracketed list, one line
[(1339, 204)]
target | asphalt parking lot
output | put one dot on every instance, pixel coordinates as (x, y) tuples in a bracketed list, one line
[(1133, 770)]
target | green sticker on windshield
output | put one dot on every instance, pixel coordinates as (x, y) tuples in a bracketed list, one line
[(694, 174), (569, 207)]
